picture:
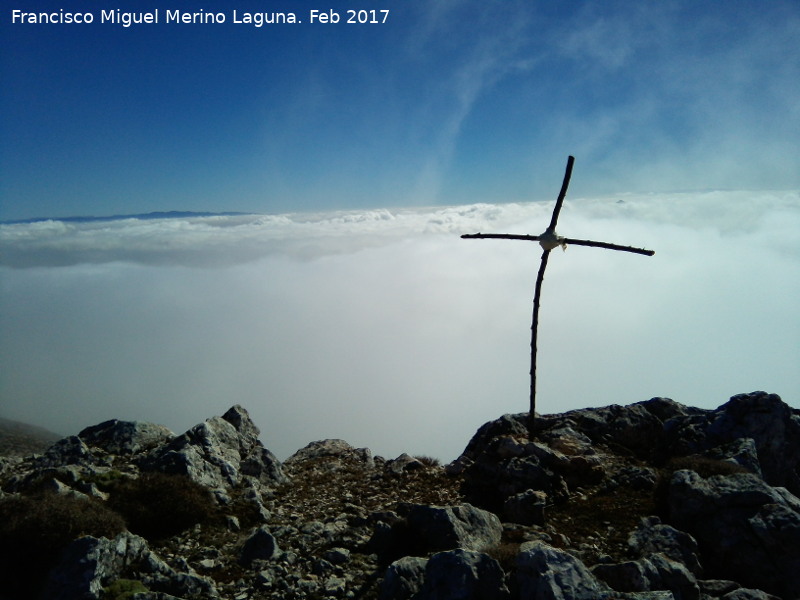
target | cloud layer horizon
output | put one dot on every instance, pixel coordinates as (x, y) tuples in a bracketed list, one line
[(384, 328)]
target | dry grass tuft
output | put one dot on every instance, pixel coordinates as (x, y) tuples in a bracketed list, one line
[(600, 523), (704, 466), (428, 461)]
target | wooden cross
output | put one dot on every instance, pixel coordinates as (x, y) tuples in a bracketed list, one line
[(548, 241)]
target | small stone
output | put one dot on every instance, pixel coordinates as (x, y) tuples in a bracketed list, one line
[(232, 523), (261, 545), (526, 508), (335, 586), (265, 578), (321, 567), (337, 556)]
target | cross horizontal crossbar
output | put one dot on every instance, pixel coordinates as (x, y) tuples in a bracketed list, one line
[(574, 242), (548, 241)]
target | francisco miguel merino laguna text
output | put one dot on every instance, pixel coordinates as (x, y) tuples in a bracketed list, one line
[(257, 19)]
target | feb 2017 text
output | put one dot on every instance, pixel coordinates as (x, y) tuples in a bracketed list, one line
[(201, 17)]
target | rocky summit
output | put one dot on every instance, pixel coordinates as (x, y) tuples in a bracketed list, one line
[(651, 501)]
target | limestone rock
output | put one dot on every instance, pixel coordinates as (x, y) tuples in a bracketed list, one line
[(70, 450), (337, 556), (774, 427), (716, 588), (332, 448), (749, 531), (652, 536), (497, 468), (448, 527), (748, 594), (771, 424), (526, 508), (462, 575), (125, 437), (89, 564), (218, 453), (403, 578), (547, 573), (260, 545), (335, 522), (635, 426), (403, 463), (741, 451), (656, 572)]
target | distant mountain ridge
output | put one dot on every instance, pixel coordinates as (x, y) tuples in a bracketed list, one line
[(169, 214), (21, 439)]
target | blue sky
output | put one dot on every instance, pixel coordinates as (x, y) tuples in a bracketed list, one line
[(447, 102)]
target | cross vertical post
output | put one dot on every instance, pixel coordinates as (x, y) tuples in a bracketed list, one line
[(548, 241)]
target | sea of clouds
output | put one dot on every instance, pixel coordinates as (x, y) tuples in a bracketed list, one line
[(384, 328)]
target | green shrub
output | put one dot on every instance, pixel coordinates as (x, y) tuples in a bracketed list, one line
[(105, 480), (123, 589), (35, 529), (157, 505)]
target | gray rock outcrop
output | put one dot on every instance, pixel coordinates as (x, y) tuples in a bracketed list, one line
[(650, 501), (89, 564), (547, 573), (462, 575), (218, 453), (758, 420), (125, 437), (260, 545), (404, 578), (750, 531), (656, 572), (652, 537), (449, 527)]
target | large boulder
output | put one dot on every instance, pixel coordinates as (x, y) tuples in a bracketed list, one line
[(741, 451), (218, 453), (748, 594), (453, 575), (419, 529), (448, 527), (403, 578), (71, 450), (652, 537), (500, 462), (333, 450), (775, 429), (757, 430), (547, 573), (633, 427), (89, 564), (463, 575), (526, 508), (656, 572), (260, 545), (747, 531), (496, 469), (125, 437)]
